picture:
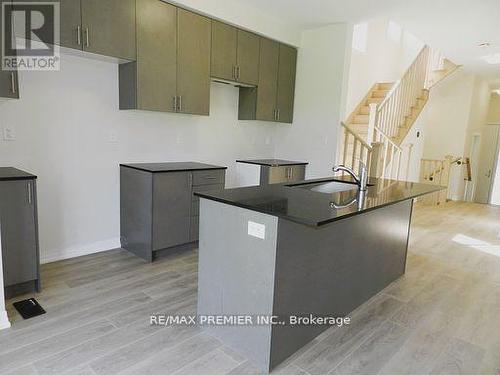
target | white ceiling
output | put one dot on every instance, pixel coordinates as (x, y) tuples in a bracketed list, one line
[(456, 27)]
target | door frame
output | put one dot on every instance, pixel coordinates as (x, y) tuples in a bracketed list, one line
[(495, 164)]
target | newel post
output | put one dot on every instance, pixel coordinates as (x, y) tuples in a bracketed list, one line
[(376, 159), (372, 119)]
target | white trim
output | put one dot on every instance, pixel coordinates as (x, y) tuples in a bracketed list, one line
[(80, 250), (4, 320)]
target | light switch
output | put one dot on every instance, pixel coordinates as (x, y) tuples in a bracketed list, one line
[(257, 230), (9, 134)]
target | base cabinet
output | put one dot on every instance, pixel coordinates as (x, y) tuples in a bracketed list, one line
[(19, 233), (282, 174), (159, 211)]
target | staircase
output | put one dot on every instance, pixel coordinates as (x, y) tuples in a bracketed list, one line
[(375, 130)]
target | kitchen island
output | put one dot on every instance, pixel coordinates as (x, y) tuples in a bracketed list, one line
[(317, 248)]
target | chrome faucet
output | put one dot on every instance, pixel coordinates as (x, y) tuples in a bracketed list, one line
[(361, 180)]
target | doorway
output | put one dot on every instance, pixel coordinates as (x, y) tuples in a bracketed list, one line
[(488, 170)]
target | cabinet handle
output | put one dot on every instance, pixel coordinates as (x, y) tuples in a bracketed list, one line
[(79, 35), (13, 82), (278, 114), (234, 72), (190, 181), (87, 38), (237, 73), (29, 192), (274, 114), (175, 103), (180, 103)]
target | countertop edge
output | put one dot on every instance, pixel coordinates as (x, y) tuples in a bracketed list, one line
[(18, 178), (314, 224), (175, 170), (272, 165)]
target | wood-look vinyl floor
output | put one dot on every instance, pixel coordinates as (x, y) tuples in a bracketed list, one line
[(442, 317)]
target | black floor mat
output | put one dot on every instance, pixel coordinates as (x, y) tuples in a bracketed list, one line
[(29, 308)]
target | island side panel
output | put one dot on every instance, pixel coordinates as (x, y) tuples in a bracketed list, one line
[(136, 220), (236, 275), (332, 270)]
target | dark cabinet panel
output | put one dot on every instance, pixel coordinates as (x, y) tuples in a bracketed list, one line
[(286, 83), (224, 48), (268, 80), (108, 28), (156, 55), (193, 63), (9, 84), (248, 58), (159, 210), (70, 26), (171, 209), (19, 232)]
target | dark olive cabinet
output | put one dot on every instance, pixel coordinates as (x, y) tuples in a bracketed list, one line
[(193, 63), (150, 83), (9, 83), (273, 98), (108, 27), (172, 71), (158, 208), (19, 232), (235, 54), (103, 27)]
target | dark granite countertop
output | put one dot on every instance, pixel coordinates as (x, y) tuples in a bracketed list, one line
[(272, 162), (10, 174), (172, 167), (303, 203)]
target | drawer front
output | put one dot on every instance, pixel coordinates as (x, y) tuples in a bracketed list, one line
[(209, 177)]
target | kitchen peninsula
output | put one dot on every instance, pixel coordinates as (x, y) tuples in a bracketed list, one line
[(320, 247)]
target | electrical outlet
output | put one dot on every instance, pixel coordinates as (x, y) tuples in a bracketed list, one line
[(113, 136), (9, 134)]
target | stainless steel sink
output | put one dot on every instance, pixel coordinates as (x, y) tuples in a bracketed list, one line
[(328, 187)]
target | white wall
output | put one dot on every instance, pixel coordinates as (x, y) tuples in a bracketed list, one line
[(385, 58), (494, 109), (456, 109), (319, 101), (65, 122)]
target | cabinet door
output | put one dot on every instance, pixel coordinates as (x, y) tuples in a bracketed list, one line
[(109, 27), (193, 62), (70, 23), (18, 230), (71, 20), (9, 86), (171, 209), (268, 80), (286, 83), (248, 57), (156, 55), (224, 45)]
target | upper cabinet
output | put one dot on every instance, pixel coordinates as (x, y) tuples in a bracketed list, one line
[(273, 98), (9, 84), (235, 54), (172, 70), (104, 27), (108, 27), (193, 63)]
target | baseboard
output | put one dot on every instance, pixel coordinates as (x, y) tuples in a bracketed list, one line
[(84, 249), (4, 320)]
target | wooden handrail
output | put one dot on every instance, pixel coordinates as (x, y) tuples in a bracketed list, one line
[(357, 137)]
